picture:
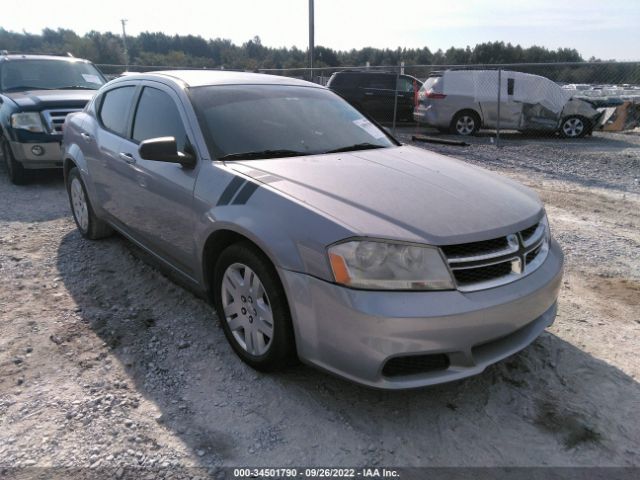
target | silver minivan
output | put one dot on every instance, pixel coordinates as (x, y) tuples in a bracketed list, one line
[(463, 101)]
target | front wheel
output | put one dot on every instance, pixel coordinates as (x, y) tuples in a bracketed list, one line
[(573, 127), (252, 308), (89, 225), (15, 169)]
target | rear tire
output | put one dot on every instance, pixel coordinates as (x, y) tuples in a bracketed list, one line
[(465, 123), (15, 169), (89, 225), (252, 308)]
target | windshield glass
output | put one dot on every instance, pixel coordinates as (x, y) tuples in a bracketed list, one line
[(263, 121), (48, 74)]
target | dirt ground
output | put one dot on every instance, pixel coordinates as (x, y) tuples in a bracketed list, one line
[(105, 363)]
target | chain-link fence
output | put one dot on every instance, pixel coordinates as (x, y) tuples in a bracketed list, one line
[(566, 99)]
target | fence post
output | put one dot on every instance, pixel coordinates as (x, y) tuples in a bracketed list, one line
[(498, 112), (395, 101)]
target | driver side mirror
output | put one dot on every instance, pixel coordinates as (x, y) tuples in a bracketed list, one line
[(165, 149)]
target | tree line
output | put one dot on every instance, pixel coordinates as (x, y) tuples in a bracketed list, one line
[(159, 49)]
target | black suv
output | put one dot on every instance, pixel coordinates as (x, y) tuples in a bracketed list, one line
[(373, 93), (36, 94)]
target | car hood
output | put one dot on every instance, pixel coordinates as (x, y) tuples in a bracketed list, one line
[(404, 193), (42, 99)]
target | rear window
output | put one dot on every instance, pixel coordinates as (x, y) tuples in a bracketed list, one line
[(431, 83)]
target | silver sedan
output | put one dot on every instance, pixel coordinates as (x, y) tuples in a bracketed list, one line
[(314, 233)]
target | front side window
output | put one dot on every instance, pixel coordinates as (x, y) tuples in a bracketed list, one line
[(17, 75), (115, 107), (157, 116), (276, 118)]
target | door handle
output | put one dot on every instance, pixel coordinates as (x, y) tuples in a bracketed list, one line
[(368, 93), (127, 157), (86, 136)]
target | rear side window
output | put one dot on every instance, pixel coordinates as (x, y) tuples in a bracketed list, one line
[(343, 80), (380, 82), (115, 109), (157, 116)]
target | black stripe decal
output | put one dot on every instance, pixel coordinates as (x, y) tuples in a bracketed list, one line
[(245, 193), (230, 191)]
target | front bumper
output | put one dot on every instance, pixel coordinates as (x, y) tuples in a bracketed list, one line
[(353, 333), (51, 156)]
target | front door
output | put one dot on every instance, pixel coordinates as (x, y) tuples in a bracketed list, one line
[(160, 195)]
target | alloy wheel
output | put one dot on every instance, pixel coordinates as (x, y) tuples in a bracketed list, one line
[(573, 127), (465, 125), (247, 309)]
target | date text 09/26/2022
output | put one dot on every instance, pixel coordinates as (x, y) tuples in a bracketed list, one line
[(329, 473)]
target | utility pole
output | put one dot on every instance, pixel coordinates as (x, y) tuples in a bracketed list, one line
[(124, 42), (311, 38)]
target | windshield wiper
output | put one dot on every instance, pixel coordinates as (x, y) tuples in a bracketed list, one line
[(262, 154), (26, 87), (76, 87), (357, 146)]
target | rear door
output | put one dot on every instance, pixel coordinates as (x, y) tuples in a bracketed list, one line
[(159, 195), (378, 98), (102, 137)]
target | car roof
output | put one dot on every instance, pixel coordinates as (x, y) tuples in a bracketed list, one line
[(201, 78), (14, 56)]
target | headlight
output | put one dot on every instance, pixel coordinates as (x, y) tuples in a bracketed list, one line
[(381, 265), (29, 121)]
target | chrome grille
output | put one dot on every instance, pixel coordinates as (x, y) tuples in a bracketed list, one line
[(55, 118), (494, 262)]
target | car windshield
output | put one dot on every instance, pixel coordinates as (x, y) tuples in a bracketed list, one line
[(16, 75), (269, 121)]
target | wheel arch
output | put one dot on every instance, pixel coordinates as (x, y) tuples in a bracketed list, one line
[(472, 111), (215, 244)]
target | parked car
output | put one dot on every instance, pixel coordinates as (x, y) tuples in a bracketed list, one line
[(312, 231), (374, 93), (464, 101), (36, 94)]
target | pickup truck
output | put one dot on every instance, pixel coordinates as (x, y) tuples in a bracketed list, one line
[(37, 92)]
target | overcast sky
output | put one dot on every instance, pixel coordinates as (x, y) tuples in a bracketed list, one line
[(605, 29)]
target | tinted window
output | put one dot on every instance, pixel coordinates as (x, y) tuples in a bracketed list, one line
[(115, 108), (343, 80), (19, 75), (381, 82), (157, 116), (244, 118)]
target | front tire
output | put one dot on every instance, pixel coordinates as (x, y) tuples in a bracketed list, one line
[(574, 126), (253, 308), (15, 169), (89, 225)]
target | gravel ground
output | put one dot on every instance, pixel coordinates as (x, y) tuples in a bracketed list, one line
[(106, 365)]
